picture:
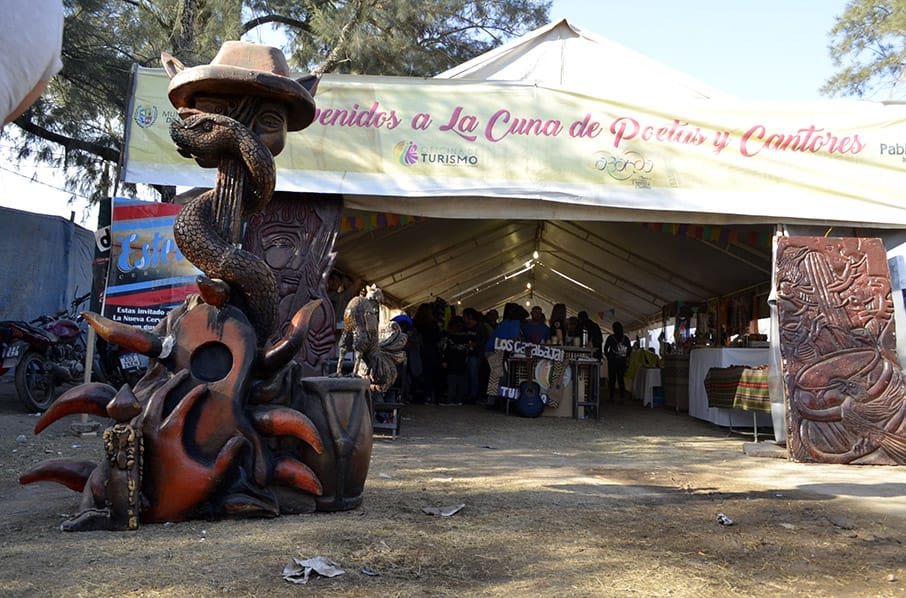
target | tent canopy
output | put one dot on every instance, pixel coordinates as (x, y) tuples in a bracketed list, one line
[(563, 56), (614, 271), (623, 271), (567, 144)]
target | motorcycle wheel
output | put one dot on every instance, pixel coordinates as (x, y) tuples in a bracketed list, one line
[(33, 383)]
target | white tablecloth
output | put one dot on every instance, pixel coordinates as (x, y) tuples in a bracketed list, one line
[(702, 360), (643, 384)]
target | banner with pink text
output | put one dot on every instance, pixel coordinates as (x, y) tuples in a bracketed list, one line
[(431, 139)]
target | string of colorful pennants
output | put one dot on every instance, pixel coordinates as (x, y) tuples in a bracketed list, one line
[(349, 224), (715, 234)]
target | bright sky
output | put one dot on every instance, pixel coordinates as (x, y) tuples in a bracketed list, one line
[(44, 195), (754, 50)]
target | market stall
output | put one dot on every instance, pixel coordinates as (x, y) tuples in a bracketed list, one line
[(739, 387), (580, 381), (702, 360), (644, 382), (569, 167)]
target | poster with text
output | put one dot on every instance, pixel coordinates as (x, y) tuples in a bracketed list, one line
[(148, 275)]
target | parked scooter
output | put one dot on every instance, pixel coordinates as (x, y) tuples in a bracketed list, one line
[(45, 352)]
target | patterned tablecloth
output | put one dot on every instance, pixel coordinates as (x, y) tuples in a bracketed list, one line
[(738, 387)]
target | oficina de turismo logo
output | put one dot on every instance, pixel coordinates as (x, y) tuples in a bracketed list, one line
[(406, 152), (145, 115)]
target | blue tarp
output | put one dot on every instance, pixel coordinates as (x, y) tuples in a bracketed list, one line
[(47, 262)]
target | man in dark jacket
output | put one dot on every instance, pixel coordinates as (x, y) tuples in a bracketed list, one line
[(617, 350), (477, 370), (595, 338)]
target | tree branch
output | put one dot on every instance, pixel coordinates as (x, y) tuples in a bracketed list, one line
[(264, 19), (68, 143), (149, 8), (339, 46)]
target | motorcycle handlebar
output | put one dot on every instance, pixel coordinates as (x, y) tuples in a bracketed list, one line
[(45, 318), (80, 300)]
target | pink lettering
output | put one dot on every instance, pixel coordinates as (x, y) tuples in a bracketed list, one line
[(519, 126), (462, 125), (624, 128), (810, 139), (585, 128)]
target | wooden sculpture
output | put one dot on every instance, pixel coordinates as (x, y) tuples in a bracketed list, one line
[(220, 425), (843, 381)]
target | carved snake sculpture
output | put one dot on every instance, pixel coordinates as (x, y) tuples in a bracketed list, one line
[(216, 139), (210, 427)]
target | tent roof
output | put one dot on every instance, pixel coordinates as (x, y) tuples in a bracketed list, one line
[(615, 271), (618, 271), (594, 252), (563, 56)]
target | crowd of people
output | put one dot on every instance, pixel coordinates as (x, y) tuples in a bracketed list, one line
[(451, 357), (446, 354)]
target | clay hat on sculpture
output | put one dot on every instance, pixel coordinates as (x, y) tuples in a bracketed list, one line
[(241, 68)]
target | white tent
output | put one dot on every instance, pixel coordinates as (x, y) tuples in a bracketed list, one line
[(563, 56), (691, 223), (626, 271)]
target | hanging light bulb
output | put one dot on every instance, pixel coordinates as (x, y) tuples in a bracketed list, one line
[(535, 255), (528, 285)]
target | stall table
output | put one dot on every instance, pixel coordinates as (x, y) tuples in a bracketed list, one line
[(702, 360), (739, 387), (580, 398), (675, 378), (586, 387), (643, 384)]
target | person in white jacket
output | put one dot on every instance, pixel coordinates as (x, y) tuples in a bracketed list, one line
[(31, 39)]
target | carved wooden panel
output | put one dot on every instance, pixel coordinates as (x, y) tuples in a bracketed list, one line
[(837, 339), (295, 235)]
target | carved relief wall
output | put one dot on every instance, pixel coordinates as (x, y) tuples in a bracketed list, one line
[(837, 338)]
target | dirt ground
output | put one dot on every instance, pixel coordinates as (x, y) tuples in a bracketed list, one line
[(625, 505)]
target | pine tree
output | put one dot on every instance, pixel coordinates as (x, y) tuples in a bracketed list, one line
[(78, 124)]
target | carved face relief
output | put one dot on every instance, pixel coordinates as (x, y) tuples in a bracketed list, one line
[(270, 125), (265, 118), (285, 251), (295, 237)]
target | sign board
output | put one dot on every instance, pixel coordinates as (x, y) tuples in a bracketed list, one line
[(147, 275), (436, 139)]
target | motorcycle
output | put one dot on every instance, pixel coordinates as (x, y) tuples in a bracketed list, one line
[(45, 352), (116, 366)]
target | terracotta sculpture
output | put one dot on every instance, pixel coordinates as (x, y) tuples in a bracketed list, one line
[(222, 424)]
